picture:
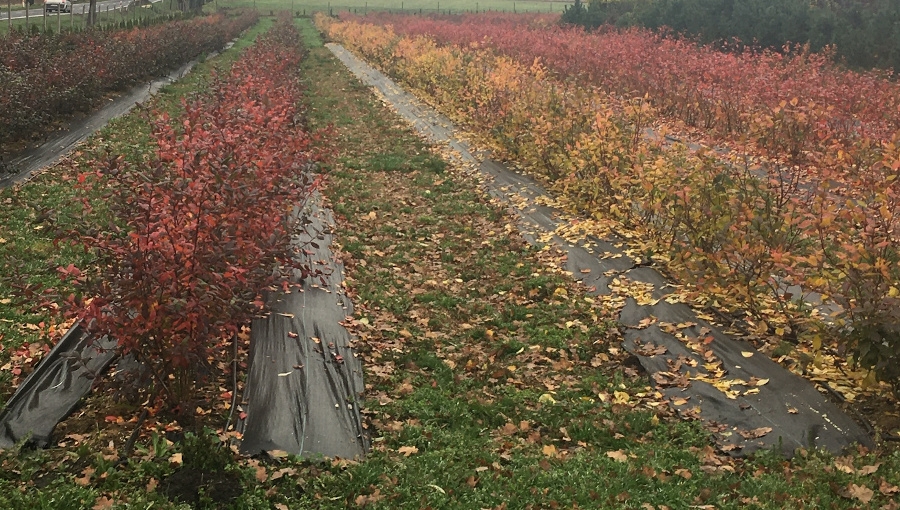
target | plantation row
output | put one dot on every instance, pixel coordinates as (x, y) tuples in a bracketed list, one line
[(866, 32), (795, 109), (46, 76), (205, 224), (727, 227)]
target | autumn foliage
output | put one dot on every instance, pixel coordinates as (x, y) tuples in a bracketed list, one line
[(201, 229), (46, 76), (804, 191)]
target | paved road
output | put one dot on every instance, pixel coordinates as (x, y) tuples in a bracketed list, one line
[(80, 8)]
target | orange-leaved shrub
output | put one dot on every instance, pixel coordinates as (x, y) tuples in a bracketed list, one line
[(743, 227)]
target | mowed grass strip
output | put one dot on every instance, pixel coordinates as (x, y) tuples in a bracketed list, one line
[(409, 6)]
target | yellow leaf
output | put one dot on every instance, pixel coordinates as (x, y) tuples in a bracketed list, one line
[(620, 397), (817, 342), (869, 381), (761, 382), (747, 354), (549, 450), (762, 328)]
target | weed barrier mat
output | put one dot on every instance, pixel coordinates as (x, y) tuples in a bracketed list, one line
[(304, 380), (53, 389), (776, 409)]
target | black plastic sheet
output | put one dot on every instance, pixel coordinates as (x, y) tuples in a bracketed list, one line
[(54, 388), (304, 383)]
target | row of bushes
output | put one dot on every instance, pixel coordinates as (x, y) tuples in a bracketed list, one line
[(735, 230), (865, 33), (205, 226), (45, 77)]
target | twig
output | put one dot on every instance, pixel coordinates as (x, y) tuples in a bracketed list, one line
[(129, 445), (234, 366)]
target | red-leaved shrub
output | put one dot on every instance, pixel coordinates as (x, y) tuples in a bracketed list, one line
[(46, 76), (202, 229)]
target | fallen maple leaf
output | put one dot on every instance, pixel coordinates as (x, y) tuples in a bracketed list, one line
[(868, 470), (755, 433), (408, 450), (176, 459), (102, 502), (620, 397), (282, 472), (261, 474), (684, 473), (549, 450), (887, 489), (860, 492), (364, 499), (618, 455), (85, 479)]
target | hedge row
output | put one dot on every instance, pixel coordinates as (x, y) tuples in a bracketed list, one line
[(866, 33), (203, 228), (739, 233), (45, 77)]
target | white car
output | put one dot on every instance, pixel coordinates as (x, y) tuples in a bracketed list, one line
[(57, 5)]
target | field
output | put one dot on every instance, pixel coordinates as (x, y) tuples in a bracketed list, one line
[(493, 380), (411, 6)]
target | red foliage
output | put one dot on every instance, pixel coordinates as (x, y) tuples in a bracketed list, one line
[(45, 76), (807, 103), (819, 209), (205, 226)]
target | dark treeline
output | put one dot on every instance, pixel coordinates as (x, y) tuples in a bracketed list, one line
[(865, 32)]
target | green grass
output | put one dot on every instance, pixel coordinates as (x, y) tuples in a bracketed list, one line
[(363, 6)]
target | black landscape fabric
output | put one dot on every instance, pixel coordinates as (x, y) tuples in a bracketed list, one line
[(52, 391), (304, 380)]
